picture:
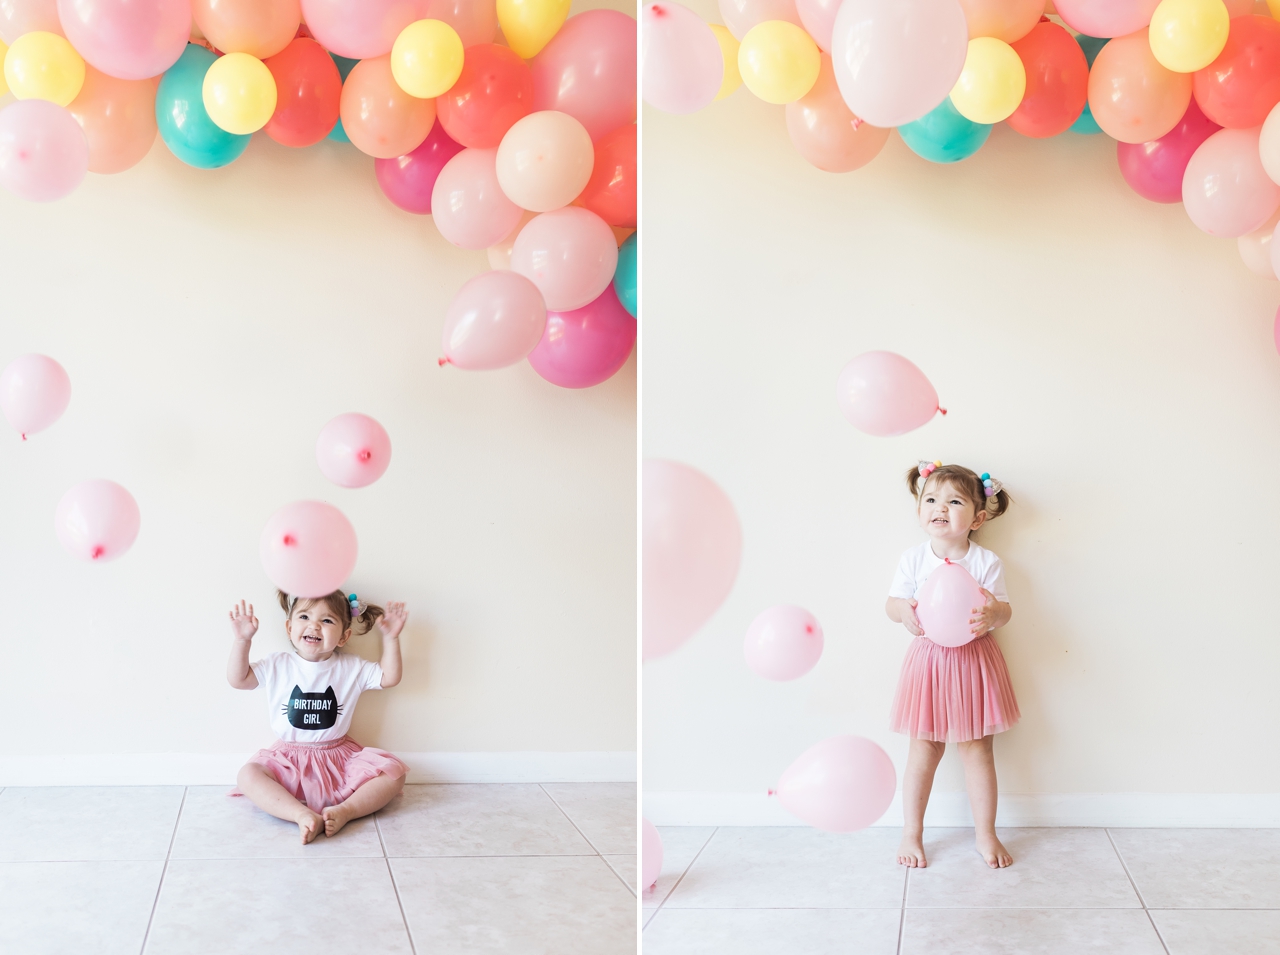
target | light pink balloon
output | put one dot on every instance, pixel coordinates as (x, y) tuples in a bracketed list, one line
[(359, 29), (818, 17), (585, 346), (353, 450), (127, 39), (783, 643), (882, 393), (1225, 189), (97, 520), (650, 855), (692, 547), (569, 254), (308, 549), (741, 15), (945, 604), (468, 204), (681, 66), (494, 321), (28, 16), (588, 70), (842, 784), (1273, 252), (34, 392), (44, 154), (1256, 248), (896, 60), (475, 21), (1106, 18)]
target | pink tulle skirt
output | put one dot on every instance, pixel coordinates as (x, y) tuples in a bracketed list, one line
[(953, 694), (325, 774)]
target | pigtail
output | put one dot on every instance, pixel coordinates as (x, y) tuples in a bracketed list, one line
[(998, 503), (364, 621), (913, 481), (286, 602)]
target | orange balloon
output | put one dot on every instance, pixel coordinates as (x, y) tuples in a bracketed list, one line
[(1132, 97), (261, 28), (118, 118), (826, 133), (1007, 20), (379, 117)]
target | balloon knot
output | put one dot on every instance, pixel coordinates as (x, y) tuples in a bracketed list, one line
[(98, 551), (443, 361), (857, 121), (24, 436), (289, 540), (947, 559), (658, 11), (773, 792), (365, 455), (942, 410)]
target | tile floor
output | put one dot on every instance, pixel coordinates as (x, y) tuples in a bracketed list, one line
[(765, 891), (165, 870)]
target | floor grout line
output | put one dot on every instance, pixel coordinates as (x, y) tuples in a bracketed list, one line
[(1142, 899), (598, 853), (902, 911), (697, 855), (163, 871), (395, 886)]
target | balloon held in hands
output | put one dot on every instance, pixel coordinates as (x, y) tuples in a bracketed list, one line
[(842, 784), (353, 450), (308, 548), (34, 392), (783, 643), (883, 394), (97, 520), (946, 603)]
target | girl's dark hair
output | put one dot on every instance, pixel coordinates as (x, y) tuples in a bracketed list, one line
[(969, 483), (338, 605)]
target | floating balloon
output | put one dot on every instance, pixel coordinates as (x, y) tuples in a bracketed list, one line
[(118, 118), (408, 180), (380, 118), (624, 277), (261, 28), (884, 394), (183, 121), (494, 321), (944, 135), (308, 94), (1240, 87), (97, 520), (783, 643), (545, 161), (359, 29), (1007, 20), (992, 82), (611, 191), (473, 22), (1132, 97), (28, 16), (494, 90), (128, 39), (34, 392), (583, 347), (1107, 18), (946, 603), (842, 784), (1155, 170), (1187, 35), (43, 66), (650, 855), (1225, 190), (681, 66), (43, 151), (818, 17), (1255, 248), (353, 450), (826, 133), (740, 16), (308, 549), (468, 204), (729, 48), (569, 254), (1057, 74), (239, 93), (588, 70), (529, 24), (426, 58), (778, 61)]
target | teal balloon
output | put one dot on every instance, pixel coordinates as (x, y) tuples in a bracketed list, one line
[(345, 65), (943, 135), (184, 125), (338, 134), (624, 276), (1085, 123), (1091, 45)]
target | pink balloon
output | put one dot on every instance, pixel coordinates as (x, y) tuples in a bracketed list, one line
[(692, 546), (308, 549), (494, 321), (28, 16), (588, 70), (1225, 190), (468, 205), (570, 254), (34, 392), (842, 784), (783, 643), (896, 60), (127, 39), (681, 65), (882, 393), (1154, 170), (586, 346), (1106, 18), (353, 450), (741, 15), (1275, 331), (359, 29), (44, 154), (818, 17), (650, 855), (409, 179), (945, 604), (475, 21), (97, 520)]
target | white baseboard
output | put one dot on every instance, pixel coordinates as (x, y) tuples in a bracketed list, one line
[(1120, 810), (217, 769)]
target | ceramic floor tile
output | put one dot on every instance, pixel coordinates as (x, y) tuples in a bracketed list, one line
[(1053, 868), (544, 905), (1210, 932), (772, 931), (1029, 932), (217, 826), (793, 867), (55, 908), (478, 820), (82, 823), (605, 812), (1203, 868), (625, 866), (680, 844), (321, 907)]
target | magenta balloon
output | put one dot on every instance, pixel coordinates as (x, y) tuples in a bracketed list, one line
[(1225, 189), (468, 205), (570, 254), (353, 450), (945, 604), (1154, 170), (359, 29), (28, 16), (408, 180), (127, 39), (650, 855), (884, 394), (44, 154), (783, 643), (692, 545), (34, 392), (1106, 18), (588, 70), (495, 320), (97, 520), (681, 66), (842, 784), (818, 17), (475, 21), (585, 346), (308, 549)]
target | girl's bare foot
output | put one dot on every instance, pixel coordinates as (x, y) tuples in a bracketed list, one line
[(335, 817), (911, 852), (993, 852), (309, 824)]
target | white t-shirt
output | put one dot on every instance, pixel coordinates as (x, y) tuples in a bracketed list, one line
[(920, 561), (314, 702)]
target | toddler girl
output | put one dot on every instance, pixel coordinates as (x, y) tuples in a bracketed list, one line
[(316, 775), (952, 694)]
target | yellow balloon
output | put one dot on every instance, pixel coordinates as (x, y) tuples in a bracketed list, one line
[(239, 93), (4, 84), (778, 61), (427, 58), (1188, 35), (43, 65), (729, 51), (529, 25), (992, 81)]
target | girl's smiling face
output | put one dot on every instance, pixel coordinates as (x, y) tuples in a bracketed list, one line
[(947, 514), (315, 631)]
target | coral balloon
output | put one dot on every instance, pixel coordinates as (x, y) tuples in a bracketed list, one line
[(992, 82), (585, 346), (380, 118), (624, 277), (1225, 190), (475, 21), (127, 39), (408, 180), (529, 25), (1131, 96), (495, 320), (826, 133), (360, 29), (1255, 248), (468, 204), (545, 161), (239, 93), (1187, 35), (308, 549), (118, 118), (778, 61), (261, 28), (353, 450), (944, 136), (1240, 87), (1008, 20), (426, 58), (692, 546), (1106, 18), (494, 90), (28, 16), (842, 784), (729, 48), (308, 94), (97, 520), (1057, 82), (1155, 170), (44, 66), (884, 394), (570, 254), (611, 191), (34, 392), (43, 151), (946, 603), (681, 66), (818, 17), (588, 70), (740, 16), (184, 122), (650, 855), (783, 643)]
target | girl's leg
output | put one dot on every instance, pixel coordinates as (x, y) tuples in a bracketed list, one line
[(922, 762), (267, 794), (370, 797), (980, 780)]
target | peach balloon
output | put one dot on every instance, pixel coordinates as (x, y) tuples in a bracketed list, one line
[(28, 16), (1007, 20), (1225, 190), (380, 118), (97, 520), (545, 161), (741, 15), (1132, 97), (118, 118), (475, 21), (825, 131), (468, 204), (569, 254), (261, 28)]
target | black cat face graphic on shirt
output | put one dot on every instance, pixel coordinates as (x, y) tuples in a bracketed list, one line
[(312, 711)]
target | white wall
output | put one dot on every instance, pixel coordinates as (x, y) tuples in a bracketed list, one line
[(1110, 363)]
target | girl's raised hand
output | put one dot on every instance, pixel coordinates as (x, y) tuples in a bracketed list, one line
[(984, 618), (911, 621), (392, 620), (243, 623)]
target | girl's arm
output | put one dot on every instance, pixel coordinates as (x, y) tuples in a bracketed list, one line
[(903, 611), (243, 625), (391, 623), (992, 615)]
